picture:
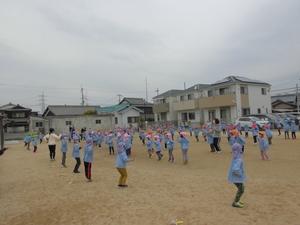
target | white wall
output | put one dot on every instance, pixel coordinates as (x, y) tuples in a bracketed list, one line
[(238, 101), (123, 117), (172, 114), (59, 123), (257, 100)]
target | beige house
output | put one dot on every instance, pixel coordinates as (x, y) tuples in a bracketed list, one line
[(226, 99)]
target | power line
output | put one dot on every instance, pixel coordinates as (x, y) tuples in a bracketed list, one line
[(284, 89)]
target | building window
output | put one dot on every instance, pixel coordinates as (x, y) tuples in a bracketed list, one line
[(18, 115), (182, 98), (223, 91), (190, 96), (132, 119), (246, 111), (163, 101), (263, 91), (211, 115), (258, 111), (98, 121), (116, 120), (38, 124), (244, 90), (184, 117), (210, 93), (192, 116), (164, 116), (68, 123)]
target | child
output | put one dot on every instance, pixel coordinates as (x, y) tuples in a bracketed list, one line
[(143, 137), (191, 131), (121, 162), (210, 140), (158, 147), (246, 129), (64, 148), (236, 174), (239, 128), (204, 131), (76, 153), (110, 143), (278, 126), (35, 139), (184, 144), (172, 131), (294, 129), (196, 133), (170, 147), (100, 139), (269, 133), (286, 128), (254, 132), (41, 136), (263, 146), (88, 158), (128, 144), (149, 145), (165, 137), (27, 141), (236, 138)]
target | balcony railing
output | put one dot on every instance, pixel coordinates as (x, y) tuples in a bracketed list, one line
[(186, 105), (217, 101), (161, 108)]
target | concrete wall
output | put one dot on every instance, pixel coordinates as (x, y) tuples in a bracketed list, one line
[(59, 123), (33, 127)]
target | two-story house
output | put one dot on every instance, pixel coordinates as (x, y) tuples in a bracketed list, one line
[(17, 118), (227, 99)]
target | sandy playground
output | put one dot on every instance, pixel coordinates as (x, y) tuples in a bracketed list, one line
[(36, 191)]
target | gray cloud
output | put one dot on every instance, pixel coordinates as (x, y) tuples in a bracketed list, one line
[(109, 47)]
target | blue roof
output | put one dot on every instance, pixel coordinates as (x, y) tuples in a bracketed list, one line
[(113, 108)]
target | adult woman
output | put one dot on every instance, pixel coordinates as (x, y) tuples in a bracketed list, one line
[(217, 134), (51, 139)]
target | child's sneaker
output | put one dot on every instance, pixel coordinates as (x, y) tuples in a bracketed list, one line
[(237, 205)]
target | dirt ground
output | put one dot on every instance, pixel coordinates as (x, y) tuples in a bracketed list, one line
[(34, 190)]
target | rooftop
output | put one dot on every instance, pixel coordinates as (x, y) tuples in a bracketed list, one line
[(239, 79), (67, 110), (116, 108), (169, 93), (135, 101)]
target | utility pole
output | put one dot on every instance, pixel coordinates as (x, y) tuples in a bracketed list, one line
[(157, 91), (146, 89), (120, 96), (1, 132), (82, 97), (297, 97), (184, 85)]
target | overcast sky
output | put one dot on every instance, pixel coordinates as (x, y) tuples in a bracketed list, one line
[(109, 47)]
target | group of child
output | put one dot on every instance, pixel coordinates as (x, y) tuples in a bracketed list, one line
[(165, 138), (157, 138), (121, 138)]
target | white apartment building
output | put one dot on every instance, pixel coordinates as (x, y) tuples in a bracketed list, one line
[(227, 99)]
